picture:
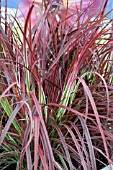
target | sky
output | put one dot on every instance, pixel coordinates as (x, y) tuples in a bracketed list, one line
[(14, 4), (11, 3)]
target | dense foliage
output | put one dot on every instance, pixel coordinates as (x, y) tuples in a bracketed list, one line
[(56, 87)]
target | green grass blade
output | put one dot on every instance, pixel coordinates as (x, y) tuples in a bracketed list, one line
[(6, 106)]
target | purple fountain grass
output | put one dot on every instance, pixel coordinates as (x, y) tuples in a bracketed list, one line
[(56, 100)]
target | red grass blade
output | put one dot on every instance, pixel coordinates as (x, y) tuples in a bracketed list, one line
[(82, 142), (36, 140), (44, 163), (89, 142), (9, 87), (29, 160), (96, 114), (65, 147), (83, 162), (45, 134)]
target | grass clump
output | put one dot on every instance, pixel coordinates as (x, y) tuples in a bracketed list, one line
[(56, 83)]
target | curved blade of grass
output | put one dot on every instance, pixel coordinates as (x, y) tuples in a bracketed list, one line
[(96, 114), (83, 144), (77, 146), (67, 108), (9, 87), (63, 162), (9, 122), (58, 166), (65, 147), (107, 92), (89, 142), (45, 134), (44, 163), (6, 106), (28, 136)]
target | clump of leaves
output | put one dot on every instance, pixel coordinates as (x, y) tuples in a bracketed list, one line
[(56, 88)]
